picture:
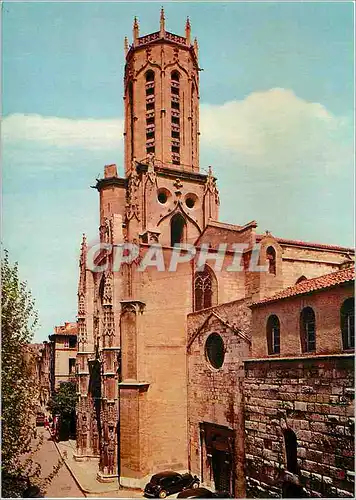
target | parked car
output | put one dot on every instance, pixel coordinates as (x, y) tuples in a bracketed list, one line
[(168, 482), (32, 492), (40, 418), (202, 493)]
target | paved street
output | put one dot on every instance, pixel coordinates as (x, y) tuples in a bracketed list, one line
[(63, 485)]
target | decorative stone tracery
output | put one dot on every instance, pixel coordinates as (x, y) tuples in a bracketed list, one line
[(211, 187)]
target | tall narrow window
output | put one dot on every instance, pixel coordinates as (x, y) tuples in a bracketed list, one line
[(271, 258), (290, 441), (71, 366), (175, 117), (205, 289), (178, 229), (307, 329), (150, 111), (347, 323), (72, 342), (192, 122), (273, 335), (131, 112)]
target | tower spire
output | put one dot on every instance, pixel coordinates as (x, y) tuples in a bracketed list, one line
[(196, 46), (162, 19), (187, 31), (135, 31)]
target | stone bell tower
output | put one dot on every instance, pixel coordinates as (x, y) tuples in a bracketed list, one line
[(131, 364), (161, 93), (168, 200)]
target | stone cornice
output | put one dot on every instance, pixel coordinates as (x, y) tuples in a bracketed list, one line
[(110, 181)]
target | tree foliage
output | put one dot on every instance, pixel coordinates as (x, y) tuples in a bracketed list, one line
[(19, 391), (64, 400)]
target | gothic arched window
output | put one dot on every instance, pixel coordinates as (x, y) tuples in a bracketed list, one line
[(150, 76), (347, 323), (307, 330), (175, 76), (178, 229), (290, 442), (131, 114), (205, 289), (150, 111), (273, 335), (271, 258), (192, 114), (175, 117)]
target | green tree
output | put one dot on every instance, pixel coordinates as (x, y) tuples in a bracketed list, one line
[(19, 392), (63, 403)]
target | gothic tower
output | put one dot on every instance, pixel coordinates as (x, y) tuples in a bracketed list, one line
[(132, 410), (161, 93)]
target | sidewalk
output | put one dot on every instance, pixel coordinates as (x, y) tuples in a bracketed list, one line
[(85, 473)]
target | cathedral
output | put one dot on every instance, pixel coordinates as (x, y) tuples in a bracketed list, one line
[(148, 399)]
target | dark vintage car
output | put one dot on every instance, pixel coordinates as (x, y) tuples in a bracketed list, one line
[(202, 493), (168, 482)]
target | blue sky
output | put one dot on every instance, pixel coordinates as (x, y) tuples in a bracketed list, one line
[(276, 123)]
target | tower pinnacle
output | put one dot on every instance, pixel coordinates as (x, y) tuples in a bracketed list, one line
[(196, 46), (126, 45), (187, 31), (162, 28), (135, 31)]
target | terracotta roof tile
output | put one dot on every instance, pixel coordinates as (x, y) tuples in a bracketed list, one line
[(66, 329), (311, 285), (324, 246)]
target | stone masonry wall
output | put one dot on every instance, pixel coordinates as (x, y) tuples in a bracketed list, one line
[(314, 398), (215, 395)]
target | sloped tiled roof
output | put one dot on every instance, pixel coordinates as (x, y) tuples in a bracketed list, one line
[(66, 329), (324, 246), (311, 285)]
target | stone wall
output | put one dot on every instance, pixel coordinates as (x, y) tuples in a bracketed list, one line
[(314, 397), (215, 395)]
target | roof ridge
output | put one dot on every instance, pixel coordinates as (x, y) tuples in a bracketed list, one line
[(228, 225), (308, 243)]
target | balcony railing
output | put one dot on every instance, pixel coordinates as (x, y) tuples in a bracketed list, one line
[(175, 38), (150, 128), (148, 38)]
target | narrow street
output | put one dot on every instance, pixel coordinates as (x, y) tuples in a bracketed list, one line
[(63, 485)]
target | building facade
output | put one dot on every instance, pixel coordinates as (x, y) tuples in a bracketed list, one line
[(150, 397), (61, 352), (165, 199), (299, 389)]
